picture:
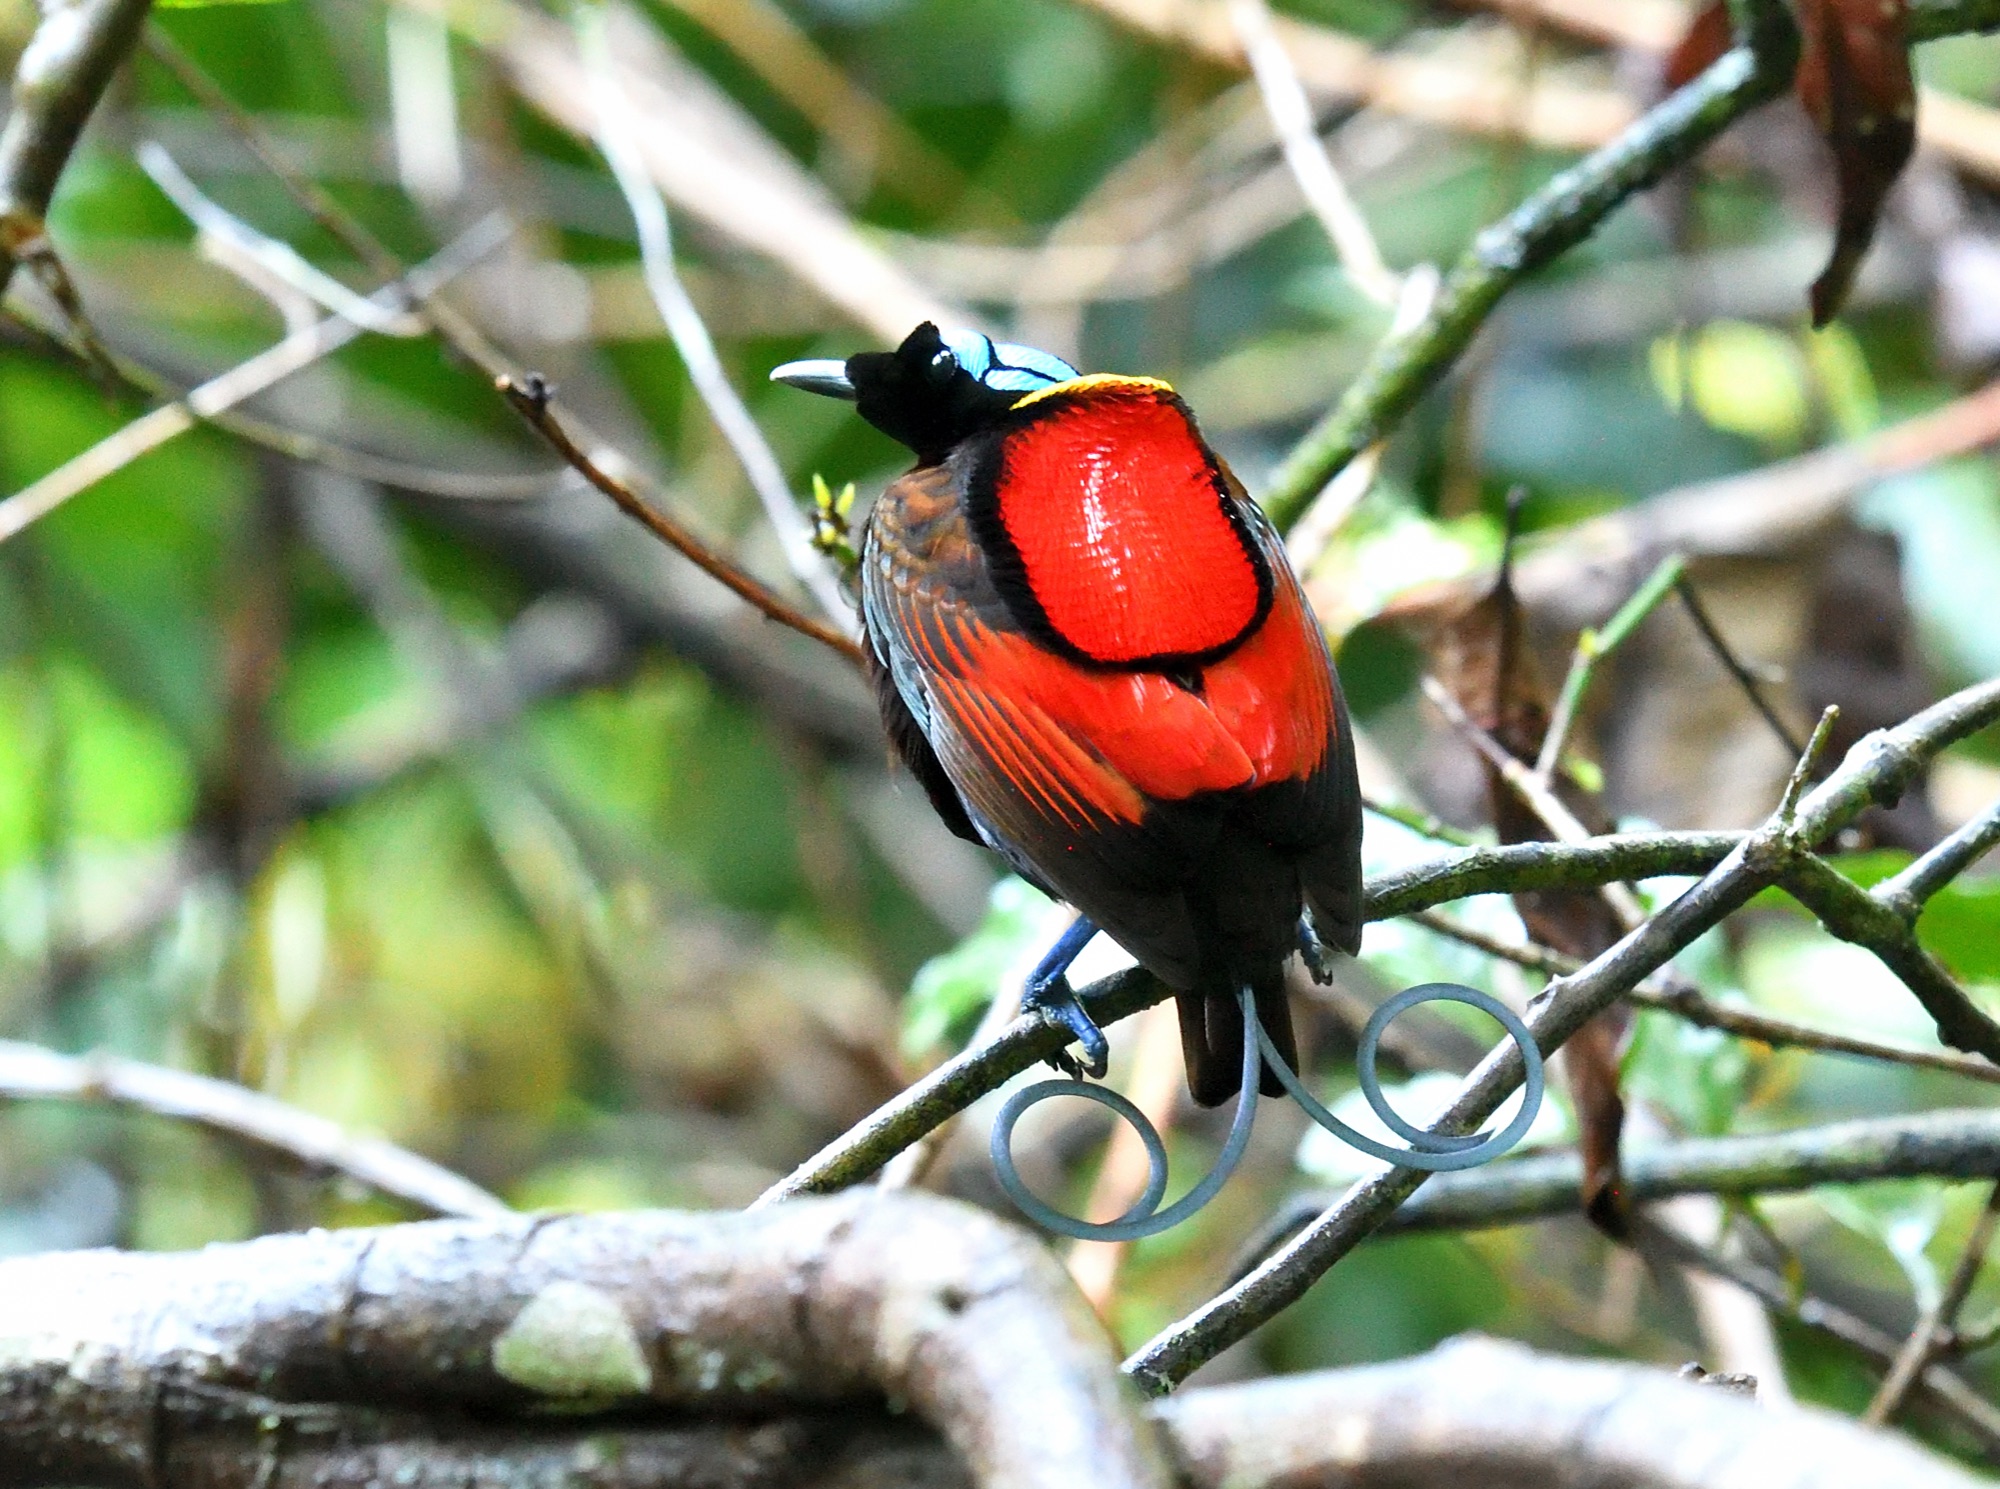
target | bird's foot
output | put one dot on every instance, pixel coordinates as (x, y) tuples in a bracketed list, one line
[(1057, 1001), (1315, 953)]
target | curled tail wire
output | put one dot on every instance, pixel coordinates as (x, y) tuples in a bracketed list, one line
[(1432, 1151)]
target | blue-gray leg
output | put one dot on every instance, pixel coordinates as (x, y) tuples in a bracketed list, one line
[(1048, 991), (1315, 953)]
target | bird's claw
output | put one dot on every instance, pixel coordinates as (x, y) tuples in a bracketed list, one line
[(1057, 1001), (1315, 953)]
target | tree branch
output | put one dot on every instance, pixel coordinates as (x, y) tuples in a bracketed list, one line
[(1946, 1388), (1963, 1144), (63, 72), (1934, 1328), (530, 399), (1875, 772), (1560, 215), (865, 1298), (758, 1352), (962, 1080)]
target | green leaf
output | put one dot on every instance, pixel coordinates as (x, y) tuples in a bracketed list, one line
[(951, 991), (1961, 924)]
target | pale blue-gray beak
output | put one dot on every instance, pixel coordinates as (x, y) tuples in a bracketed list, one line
[(822, 375)]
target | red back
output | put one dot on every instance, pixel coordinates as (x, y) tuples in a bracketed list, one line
[(1117, 512)]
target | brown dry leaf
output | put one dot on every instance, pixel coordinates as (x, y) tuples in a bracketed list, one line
[(1478, 650), (1854, 80), (1706, 39)]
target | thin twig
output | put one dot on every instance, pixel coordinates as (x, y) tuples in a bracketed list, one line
[(1909, 891), (224, 391), (1687, 1002), (530, 398), (1536, 793), (141, 381), (1954, 1144), (453, 328), (1868, 920), (1745, 678), (1532, 789), (1421, 822), (1945, 1388), (1806, 768), (1292, 119), (1331, 509), (28, 1072), (1591, 648), (616, 128), (278, 260), (1928, 1338)]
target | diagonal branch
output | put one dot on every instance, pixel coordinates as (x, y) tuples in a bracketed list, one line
[(1030, 1039), (1876, 771), (530, 398), (1855, 915), (1557, 217)]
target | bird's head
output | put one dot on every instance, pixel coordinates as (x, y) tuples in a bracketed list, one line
[(935, 389)]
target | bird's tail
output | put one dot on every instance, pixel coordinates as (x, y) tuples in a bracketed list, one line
[(1212, 1040)]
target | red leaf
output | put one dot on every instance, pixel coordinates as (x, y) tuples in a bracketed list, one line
[(1479, 651), (1706, 39), (1854, 79)]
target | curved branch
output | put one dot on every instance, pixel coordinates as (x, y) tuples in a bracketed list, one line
[(29, 1073), (881, 1298), (1479, 1411), (545, 1354)]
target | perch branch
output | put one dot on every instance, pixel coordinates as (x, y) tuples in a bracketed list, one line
[(1877, 770), (962, 1080)]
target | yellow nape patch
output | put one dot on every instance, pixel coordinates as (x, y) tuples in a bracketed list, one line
[(1091, 381)]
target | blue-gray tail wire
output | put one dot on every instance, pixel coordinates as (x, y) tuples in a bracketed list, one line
[(1432, 1151)]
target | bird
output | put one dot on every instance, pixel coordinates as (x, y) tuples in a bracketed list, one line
[(1089, 648)]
